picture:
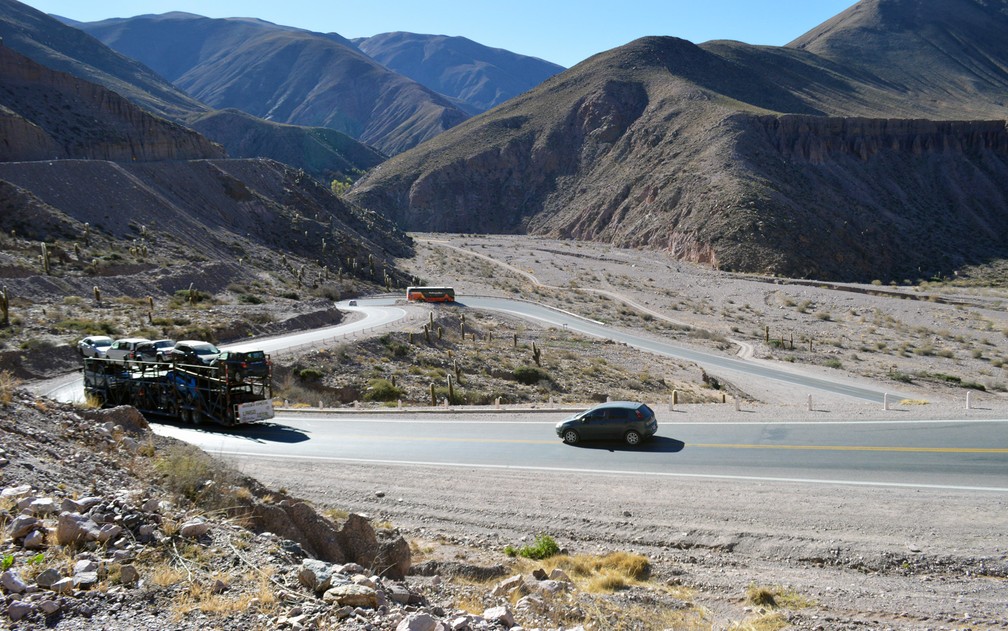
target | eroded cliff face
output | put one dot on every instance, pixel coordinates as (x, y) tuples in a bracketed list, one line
[(864, 199), (816, 139), (53, 115)]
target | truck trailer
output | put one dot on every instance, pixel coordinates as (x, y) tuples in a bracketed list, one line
[(181, 392)]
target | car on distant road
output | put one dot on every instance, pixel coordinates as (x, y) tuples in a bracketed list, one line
[(94, 346), (194, 353), (125, 349), (628, 421), (239, 365), (156, 351)]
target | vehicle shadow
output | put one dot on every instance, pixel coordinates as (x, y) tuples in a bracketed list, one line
[(657, 444), (256, 432)]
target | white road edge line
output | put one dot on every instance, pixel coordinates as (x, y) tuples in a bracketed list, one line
[(364, 418), (711, 476)]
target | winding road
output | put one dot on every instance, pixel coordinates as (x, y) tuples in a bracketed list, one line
[(966, 455)]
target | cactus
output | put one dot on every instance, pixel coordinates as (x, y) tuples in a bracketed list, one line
[(97, 295), (5, 306), (426, 332), (411, 337), (431, 313), (433, 396), (536, 354), (192, 294), (440, 333), (87, 235), (515, 344), (77, 251), (150, 302), (458, 371), (45, 259), (451, 390)]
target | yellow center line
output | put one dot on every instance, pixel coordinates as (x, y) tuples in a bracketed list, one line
[(923, 450)]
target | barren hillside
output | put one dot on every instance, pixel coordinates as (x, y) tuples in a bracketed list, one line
[(738, 156)]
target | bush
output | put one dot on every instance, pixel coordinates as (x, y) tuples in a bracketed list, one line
[(531, 375), (543, 547), (310, 374), (382, 390)]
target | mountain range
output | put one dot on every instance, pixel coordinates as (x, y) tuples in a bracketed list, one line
[(414, 88), (131, 202), (873, 147)]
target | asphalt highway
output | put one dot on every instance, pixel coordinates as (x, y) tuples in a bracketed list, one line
[(380, 312), (960, 455)]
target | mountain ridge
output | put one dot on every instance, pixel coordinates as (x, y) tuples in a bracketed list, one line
[(284, 74), (665, 144), (479, 76)]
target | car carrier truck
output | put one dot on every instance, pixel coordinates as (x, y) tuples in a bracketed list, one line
[(182, 392)]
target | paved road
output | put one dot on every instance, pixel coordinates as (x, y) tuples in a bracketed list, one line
[(380, 312), (376, 314), (961, 455), (708, 360)]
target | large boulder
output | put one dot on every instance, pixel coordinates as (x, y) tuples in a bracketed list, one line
[(393, 558), (125, 416)]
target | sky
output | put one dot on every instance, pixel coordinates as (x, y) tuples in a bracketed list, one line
[(561, 31)]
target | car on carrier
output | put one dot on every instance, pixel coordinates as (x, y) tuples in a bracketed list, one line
[(94, 346), (158, 351), (194, 353), (238, 365), (125, 349), (628, 421)]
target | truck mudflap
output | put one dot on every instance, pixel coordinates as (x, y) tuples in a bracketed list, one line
[(254, 411)]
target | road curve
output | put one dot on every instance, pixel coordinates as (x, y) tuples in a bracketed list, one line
[(381, 312), (548, 315)]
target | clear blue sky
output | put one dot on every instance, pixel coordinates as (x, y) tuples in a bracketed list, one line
[(561, 31)]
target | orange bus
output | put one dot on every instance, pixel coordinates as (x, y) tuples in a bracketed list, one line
[(430, 294)]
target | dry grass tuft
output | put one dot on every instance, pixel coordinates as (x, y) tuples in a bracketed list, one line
[(8, 383), (767, 622)]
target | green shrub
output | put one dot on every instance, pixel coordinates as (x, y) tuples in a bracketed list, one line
[(382, 390), (310, 374), (543, 547), (531, 375)]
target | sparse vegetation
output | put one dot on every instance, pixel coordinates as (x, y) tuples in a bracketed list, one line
[(543, 547)]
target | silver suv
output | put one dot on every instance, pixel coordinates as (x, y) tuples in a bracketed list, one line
[(125, 349)]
